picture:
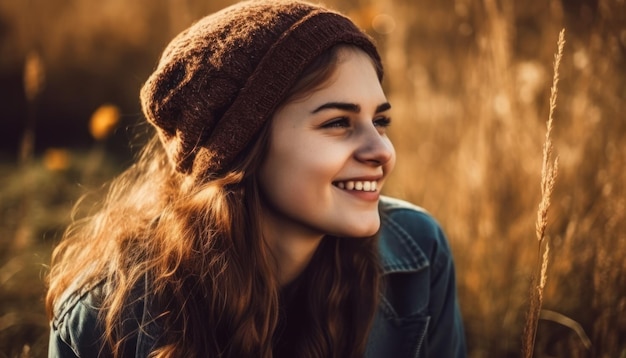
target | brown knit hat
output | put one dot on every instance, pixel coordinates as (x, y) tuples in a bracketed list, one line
[(219, 81)]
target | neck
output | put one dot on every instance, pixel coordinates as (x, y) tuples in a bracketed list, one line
[(292, 246)]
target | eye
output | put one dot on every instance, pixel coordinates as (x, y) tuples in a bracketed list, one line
[(382, 122), (341, 122)]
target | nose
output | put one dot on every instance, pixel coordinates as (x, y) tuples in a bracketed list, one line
[(374, 148)]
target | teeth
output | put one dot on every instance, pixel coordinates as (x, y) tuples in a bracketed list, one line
[(357, 185)]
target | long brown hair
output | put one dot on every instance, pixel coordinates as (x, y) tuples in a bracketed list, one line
[(210, 273)]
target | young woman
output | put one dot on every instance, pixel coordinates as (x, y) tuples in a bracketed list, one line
[(252, 225)]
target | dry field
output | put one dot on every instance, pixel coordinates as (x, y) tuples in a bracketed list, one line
[(470, 83)]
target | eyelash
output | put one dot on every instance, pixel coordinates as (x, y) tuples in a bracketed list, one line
[(344, 122), (383, 122), (341, 122)]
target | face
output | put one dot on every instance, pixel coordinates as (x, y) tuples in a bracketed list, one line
[(329, 155)]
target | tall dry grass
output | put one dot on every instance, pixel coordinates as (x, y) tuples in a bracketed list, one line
[(470, 85), (470, 151), (549, 171)]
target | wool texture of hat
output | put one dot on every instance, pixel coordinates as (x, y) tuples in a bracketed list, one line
[(220, 80)]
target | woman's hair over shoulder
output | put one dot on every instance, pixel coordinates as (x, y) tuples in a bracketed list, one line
[(199, 244)]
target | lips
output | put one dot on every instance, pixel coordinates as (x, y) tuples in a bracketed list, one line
[(357, 185)]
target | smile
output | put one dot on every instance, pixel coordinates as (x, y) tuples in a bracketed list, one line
[(357, 185)]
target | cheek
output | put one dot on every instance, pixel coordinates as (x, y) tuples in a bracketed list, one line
[(305, 157), (294, 175), (297, 171)]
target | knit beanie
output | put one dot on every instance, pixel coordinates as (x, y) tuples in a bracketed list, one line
[(220, 80)]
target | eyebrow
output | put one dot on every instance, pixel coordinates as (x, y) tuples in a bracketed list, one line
[(349, 107)]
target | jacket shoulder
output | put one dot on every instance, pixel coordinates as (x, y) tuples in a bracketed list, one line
[(410, 237), (401, 210), (418, 313), (75, 325), (78, 322)]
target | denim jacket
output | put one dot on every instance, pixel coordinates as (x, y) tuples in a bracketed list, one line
[(418, 314)]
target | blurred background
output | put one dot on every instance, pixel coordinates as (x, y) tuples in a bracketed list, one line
[(470, 84)]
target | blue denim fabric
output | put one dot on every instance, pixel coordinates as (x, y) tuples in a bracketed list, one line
[(418, 314)]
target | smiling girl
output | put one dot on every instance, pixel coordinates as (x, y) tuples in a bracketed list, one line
[(253, 224)]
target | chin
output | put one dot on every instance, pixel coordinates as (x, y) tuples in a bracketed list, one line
[(361, 231)]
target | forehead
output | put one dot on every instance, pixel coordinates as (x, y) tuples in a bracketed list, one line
[(354, 79), (347, 52)]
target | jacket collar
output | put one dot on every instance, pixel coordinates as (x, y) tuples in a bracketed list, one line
[(398, 251)]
